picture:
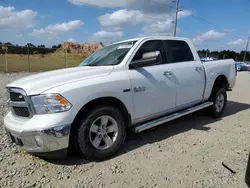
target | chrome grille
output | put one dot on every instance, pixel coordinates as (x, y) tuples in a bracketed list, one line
[(19, 102)]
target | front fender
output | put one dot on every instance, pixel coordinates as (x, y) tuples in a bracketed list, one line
[(82, 92)]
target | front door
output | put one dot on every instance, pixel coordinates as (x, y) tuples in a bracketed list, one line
[(154, 90)]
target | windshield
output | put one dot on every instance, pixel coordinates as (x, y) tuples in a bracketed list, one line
[(109, 55)]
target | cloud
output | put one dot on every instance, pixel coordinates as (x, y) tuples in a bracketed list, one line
[(144, 5), (209, 36), (71, 40), (184, 13), (102, 3), (116, 28), (53, 30), (122, 17), (42, 33), (159, 28), (65, 27), (238, 42), (106, 37), (155, 17), (10, 19), (152, 23)]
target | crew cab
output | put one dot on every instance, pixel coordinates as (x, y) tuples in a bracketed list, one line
[(138, 83)]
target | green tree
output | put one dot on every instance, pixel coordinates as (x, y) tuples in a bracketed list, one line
[(30, 45), (8, 44), (41, 46)]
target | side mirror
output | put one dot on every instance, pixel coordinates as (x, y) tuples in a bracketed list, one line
[(148, 58)]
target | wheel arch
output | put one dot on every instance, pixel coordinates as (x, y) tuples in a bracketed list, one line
[(111, 101), (220, 82)]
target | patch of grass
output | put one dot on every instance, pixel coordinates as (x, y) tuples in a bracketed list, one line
[(17, 63)]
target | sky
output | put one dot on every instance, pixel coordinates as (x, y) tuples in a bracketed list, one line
[(210, 24)]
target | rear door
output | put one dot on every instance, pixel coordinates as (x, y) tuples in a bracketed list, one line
[(188, 72)]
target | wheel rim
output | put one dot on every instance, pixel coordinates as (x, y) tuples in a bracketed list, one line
[(219, 103), (103, 132)]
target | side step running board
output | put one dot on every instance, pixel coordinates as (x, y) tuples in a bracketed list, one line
[(170, 117)]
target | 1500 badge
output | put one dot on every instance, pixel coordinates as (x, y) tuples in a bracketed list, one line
[(139, 89)]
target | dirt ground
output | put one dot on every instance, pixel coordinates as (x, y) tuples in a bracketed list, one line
[(184, 153)]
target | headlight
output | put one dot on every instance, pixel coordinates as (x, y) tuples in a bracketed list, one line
[(50, 103)]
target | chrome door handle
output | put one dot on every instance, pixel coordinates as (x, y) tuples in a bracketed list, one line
[(198, 68), (167, 73)]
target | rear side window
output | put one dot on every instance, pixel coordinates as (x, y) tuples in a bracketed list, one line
[(180, 51)]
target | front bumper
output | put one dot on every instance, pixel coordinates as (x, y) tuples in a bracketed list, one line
[(42, 141), (40, 134)]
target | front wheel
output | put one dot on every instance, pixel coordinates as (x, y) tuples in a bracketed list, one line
[(101, 133), (219, 98)]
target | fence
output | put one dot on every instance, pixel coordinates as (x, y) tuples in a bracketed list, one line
[(34, 59)]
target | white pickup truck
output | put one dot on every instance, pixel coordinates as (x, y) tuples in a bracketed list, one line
[(138, 83)]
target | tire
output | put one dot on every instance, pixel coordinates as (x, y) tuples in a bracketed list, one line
[(93, 141), (219, 98)]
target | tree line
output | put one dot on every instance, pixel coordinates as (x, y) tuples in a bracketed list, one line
[(29, 48), (225, 54)]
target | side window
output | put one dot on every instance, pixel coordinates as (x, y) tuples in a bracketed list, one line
[(180, 51), (150, 46)]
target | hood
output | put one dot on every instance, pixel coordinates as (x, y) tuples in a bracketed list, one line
[(38, 83)]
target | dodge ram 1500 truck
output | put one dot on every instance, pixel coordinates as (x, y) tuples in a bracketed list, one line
[(138, 83)]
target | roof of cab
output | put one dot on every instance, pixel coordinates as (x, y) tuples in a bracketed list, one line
[(153, 37)]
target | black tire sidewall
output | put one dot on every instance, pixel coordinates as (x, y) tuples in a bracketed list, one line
[(85, 146), (224, 93)]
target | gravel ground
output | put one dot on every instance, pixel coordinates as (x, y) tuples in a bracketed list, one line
[(187, 152)]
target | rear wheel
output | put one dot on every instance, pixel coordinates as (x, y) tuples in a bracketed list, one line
[(101, 133), (219, 98)]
